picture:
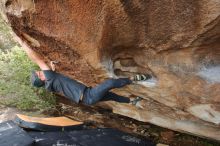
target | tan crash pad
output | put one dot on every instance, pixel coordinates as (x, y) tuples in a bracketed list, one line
[(53, 121)]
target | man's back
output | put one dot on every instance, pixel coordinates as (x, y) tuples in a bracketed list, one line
[(59, 83)]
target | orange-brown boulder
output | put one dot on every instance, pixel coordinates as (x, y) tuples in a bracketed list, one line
[(176, 42)]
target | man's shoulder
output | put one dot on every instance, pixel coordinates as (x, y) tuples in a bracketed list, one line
[(49, 74)]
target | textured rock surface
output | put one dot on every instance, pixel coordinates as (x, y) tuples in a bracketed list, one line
[(177, 42)]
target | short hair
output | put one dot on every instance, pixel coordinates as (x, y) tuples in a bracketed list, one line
[(35, 80)]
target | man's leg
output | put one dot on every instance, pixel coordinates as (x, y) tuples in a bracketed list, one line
[(93, 95), (115, 97)]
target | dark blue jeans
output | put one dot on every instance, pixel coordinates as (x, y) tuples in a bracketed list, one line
[(101, 92)]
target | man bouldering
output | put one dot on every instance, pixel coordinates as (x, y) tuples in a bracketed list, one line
[(72, 89)]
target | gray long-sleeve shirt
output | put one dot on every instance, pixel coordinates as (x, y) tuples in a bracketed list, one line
[(59, 83)]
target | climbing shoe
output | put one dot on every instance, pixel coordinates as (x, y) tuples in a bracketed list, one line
[(136, 100), (141, 77)]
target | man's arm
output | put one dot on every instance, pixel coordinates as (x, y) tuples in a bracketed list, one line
[(34, 56)]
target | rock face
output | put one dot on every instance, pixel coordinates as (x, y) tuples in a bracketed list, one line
[(177, 42)]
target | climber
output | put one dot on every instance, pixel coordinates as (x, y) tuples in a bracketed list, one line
[(73, 90)]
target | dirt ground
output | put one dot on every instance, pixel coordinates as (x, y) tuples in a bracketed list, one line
[(7, 113)]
